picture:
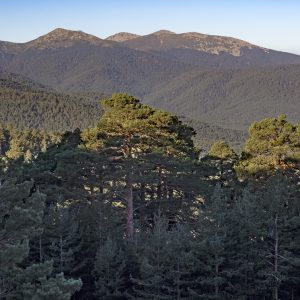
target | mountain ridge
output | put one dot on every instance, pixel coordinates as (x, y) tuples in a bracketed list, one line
[(213, 44), (232, 98), (57, 38), (220, 88), (198, 41)]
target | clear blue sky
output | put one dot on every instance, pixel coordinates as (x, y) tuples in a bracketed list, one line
[(270, 23)]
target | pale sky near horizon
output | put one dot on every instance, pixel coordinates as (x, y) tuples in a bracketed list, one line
[(272, 24)]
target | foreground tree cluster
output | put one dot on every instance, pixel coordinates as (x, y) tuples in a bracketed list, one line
[(127, 210)]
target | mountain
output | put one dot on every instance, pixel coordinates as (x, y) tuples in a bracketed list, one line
[(64, 38), (210, 79), (75, 61), (58, 38), (165, 39), (232, 98), (122, 37), (208, 51)]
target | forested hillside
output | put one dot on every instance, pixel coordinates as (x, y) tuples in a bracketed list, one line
[(126, 210), (219, 80), (232, 98), (26, 104), (208, 133), (75, 62)]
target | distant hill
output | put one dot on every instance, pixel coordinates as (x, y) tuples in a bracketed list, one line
[(208, 51), (25, 104), (207, 134), (165, 39), (19, 83), (232, 98), (74, 61)]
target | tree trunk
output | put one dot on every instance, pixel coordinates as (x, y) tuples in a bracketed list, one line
[(40, 249), (61, 253), (129, 212), (178, 283), (159, 186), (217, 275), (275, 290), (143, 214)]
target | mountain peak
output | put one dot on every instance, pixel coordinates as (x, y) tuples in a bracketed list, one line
[(163, 32), (60, 31), (60, 37), (212, 44), (122, 37)]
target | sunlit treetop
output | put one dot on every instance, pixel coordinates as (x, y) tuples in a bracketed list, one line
[(136, 128)]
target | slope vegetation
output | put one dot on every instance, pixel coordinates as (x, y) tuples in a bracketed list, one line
[(232, 98), (25, 104)]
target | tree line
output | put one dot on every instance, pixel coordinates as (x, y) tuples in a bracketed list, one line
[(129, 210)]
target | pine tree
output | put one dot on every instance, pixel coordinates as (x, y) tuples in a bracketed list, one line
[(211, 245), (21, 219), (37, 282), (276, 212), (126, 133), (221, 149), (62, 235), (154, 281), (109, 270), (244, 249), (272, 143), (182, 262)]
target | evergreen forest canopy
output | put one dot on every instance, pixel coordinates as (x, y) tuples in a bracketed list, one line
[(129, 209), (28, 105)]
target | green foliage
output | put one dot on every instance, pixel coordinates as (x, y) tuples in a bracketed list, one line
[(209, 133), (273, 137), (165, 262), (272, 143), (231, 98), (62, 232), (141, 145), (135, 127), (221, 149), (110, 268), (37, 284), (193, 230), (21, 219), (210, 247), (28, 105)]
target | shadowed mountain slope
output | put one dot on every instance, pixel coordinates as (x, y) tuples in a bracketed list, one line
[(26, 104), (75, 61), (221, 80), (232, 98)]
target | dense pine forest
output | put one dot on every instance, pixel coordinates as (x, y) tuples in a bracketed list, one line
[(26, 104), (130, 208), (29, 105)]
